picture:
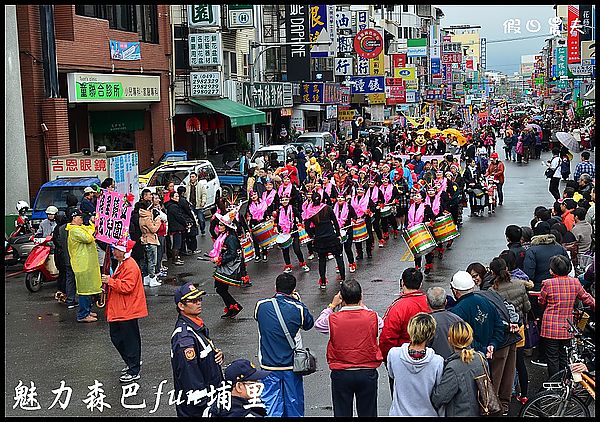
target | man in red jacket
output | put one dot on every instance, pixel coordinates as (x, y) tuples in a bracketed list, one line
[(125, 304), (395, 320), (352, 352)]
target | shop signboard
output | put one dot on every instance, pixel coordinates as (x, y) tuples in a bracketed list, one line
[(346, 115), (331, 93), (344, 66), (125, 50), (436, 67), (362, 66), (411, 84), (573, 54), (588, 52), (205, 49), (331, 112), (318, 30), (204, 15), (398, 60), (367, 85), (297, 30), (585, 17), (417, 47), (344, 95), (368, 43), (345, 43), (297, 120), (206, 84), (561, 67), (362, 20), (581, 70), (451, 58), (312, 92), (377, 65), (240, 16), (406, 73), (343, 19), (376, 98), (112, 87), (268, 95), (412, 96), (377, 114)]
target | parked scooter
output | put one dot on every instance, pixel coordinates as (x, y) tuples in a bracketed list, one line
[(39, 266), (20, 242)]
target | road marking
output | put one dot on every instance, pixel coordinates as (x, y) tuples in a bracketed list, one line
[(406, 256)]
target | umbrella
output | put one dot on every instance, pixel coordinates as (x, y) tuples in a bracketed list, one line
[(432, 131), (567, 140), (462, 139), (536, 126), (538, 117)]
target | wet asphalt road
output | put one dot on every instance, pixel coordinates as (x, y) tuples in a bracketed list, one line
[(44, 344)]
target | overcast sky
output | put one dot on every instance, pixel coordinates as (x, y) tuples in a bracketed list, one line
[(505, 56)]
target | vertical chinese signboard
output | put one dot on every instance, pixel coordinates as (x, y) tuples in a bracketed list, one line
[(573, 52), (297, 30), (113, 213), (317, 18), (561, 67)]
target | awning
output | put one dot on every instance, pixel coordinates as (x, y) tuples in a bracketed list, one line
[(239, 114), (310, 107)]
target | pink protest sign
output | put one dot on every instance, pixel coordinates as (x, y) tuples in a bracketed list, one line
[(113, 213)]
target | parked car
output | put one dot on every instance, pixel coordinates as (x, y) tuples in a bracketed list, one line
[(282, 152), (379, 130), (318, 139), (223, 154), (179, 173), (167, 158), (308, 146)]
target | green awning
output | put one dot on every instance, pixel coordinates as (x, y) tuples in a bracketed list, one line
[(239, 114)]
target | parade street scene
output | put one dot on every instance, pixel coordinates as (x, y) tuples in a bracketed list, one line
[(300, 210)]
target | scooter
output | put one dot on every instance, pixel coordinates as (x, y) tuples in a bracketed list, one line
[(39, 266), (18, 245)]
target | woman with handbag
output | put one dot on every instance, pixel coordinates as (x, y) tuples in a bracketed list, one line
[(227, 255), (457, 390)]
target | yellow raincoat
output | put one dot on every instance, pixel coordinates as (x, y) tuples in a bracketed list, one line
[(313, 165), (84, 259)]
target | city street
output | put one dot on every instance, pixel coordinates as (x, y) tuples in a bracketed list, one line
[(45, 345)]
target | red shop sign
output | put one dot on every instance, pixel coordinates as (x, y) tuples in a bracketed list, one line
[(368, 43)]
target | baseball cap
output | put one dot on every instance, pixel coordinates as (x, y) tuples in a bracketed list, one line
[(494, 155), (88, 190), (570, 204), (462, 280), (241, 370), (187, 291), (74, 213)]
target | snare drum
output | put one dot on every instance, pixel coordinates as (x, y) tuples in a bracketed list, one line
[(419, 240), (387, 211), (265, 234), (444, 228), (359, 231), (247, 247), (302, 235), (284, 240), (344, 235)]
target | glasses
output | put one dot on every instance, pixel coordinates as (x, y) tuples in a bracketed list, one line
[(195, 301)]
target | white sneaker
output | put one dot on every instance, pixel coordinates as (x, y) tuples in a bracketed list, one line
[(311, 256), (146, 280), (306, 268), (154, 282)]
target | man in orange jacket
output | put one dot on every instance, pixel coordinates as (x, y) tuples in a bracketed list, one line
[(125, 304)]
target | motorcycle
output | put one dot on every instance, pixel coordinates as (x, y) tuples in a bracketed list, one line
[(19, 244), (39, 266)]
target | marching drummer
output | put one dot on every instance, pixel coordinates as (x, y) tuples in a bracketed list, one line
[(402, 201), (390, 195), (437, 199), (375, 204), (288, 189), (330, 189), (360, 203), (256, 215), (419, 213), (288, 217), (345, 213), (271, 197)]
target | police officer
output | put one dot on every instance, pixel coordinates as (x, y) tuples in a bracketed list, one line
[(246, 385), (195, 360)]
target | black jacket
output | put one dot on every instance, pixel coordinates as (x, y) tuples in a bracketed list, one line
[(240, 408), (175, 217), (519, 251)]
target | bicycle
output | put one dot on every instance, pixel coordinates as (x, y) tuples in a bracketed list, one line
[(566, 397)]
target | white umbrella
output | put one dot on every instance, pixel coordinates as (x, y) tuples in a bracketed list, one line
[(568, 140)]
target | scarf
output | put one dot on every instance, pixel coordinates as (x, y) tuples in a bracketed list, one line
[(360, 205), (312, 210), (257, 209), (435, 207), (415, 215), (286, 192), (269, 197), (387, 192), (193, 195), (374, 194), (443, 183), (285, 219), (328, 188), (219, 241), (341, 214)]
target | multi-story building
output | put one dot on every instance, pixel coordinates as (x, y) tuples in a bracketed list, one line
[(94, 75)]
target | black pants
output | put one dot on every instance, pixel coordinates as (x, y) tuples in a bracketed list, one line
[(297, 250), (376, 223), (556, 355), (125, 336), (345, 385), (370, 239), (191, 240), (500, 193), (522, 371), (553, 188), (323, 265), (428, 259), (348, 249), (222, 290)]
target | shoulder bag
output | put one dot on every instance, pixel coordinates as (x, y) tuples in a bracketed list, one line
[(486, 396), (304, 362)]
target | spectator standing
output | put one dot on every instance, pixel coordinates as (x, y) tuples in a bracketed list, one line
[(585, 166), (513, 235), (353, 354), (567, 206), (283, 394), (437, 301), (555, 164), (395, 320), (63, 262), (149, 226), (196, 196), (582, 230), (457, 390), (189, 244), (537, 258), (87, 205), (415, 369), (496, 170), (557, 297), (177, 226), (125, 305), (159, 210)]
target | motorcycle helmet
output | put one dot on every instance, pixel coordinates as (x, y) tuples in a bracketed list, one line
[(22, 207), (52, 210)]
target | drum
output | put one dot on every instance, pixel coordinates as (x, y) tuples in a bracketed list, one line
[(444, 229), (419, 240), (359, 231), (284, 240), (265, 234), (386, 211), (344, 235), (303, 236), (247, 247)]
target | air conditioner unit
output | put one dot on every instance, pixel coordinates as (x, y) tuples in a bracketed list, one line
[(269, 121)]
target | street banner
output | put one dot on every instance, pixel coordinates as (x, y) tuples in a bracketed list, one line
[(367, 85), (312, 92), (585, 17), (297, 30), (123, 50), (204, 15), (573, 53), (318, 32), (368, 43), (113, 214)]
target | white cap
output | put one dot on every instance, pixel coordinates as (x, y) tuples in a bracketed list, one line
[(462, 280), (51, 210), (88, 190)]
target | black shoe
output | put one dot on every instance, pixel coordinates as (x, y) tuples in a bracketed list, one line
[(359, 256), (233, 312), (427, 270), (369, 256)]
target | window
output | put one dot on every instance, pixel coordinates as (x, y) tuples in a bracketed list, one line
[(147, 23), (123, 18), (406, 33), (245, 64), (405, 8), (91, 11), (208, 173), (233, 63), (226, 70), (130, 18)]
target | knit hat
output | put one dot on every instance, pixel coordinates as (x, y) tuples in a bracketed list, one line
[(541, 228)]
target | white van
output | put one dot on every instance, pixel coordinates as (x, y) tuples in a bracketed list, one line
[(318, 139)]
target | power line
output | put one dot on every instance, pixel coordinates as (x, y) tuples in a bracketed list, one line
[(519, 38)]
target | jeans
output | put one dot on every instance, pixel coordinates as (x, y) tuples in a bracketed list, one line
[(513, 153), (125, 336), (85, 306), (345, 385), (148, 266), (160, 251), (201, 219), (556, 355), (70, 288)]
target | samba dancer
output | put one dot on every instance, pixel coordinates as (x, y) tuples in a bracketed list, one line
[(287, 219), (345, 213)]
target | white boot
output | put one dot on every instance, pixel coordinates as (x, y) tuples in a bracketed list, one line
[(154, 282), (146, 280)]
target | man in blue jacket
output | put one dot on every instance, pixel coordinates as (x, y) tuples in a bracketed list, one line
[(479, 312), (283, 392)]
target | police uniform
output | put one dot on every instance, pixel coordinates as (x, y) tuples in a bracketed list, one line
[(192, 358)]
